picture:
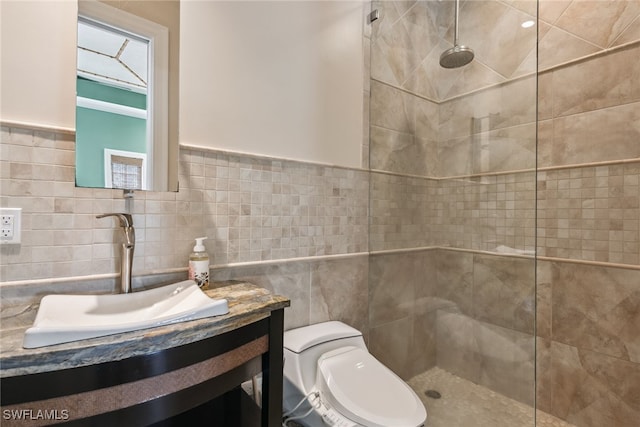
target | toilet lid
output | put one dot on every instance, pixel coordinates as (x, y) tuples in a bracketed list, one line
[(357, 385)]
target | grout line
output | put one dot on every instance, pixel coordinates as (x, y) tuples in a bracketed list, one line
[(624, 30)]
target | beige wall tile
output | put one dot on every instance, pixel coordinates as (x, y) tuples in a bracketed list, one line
[(487, 24), (557, 47), (507, 361), (390, 343), (507, 149), (593, 309), (398, 152), (591, 390), (455, 156), (455, 280), (544, 379), (393, 56), (283, 210), (544, 281), (550, 10), (392, 109), (476, 75), (504, 292), (458, 346), (506, 105), (601, 135), (630, 34), (600, 82), (584, 213), (423, 347), (393, 280), (612, 18), (289, 279), (339, 291)]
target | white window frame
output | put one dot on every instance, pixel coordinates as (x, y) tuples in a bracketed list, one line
[(158, 79), (108, 153)]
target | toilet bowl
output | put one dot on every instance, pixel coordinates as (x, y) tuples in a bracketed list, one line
[(330, 379)]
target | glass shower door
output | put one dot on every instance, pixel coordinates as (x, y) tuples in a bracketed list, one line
[(453, 207)]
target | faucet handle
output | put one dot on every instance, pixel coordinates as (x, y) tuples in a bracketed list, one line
[(125, 219)]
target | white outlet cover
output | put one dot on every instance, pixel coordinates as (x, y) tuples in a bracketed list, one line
[(16, 213)]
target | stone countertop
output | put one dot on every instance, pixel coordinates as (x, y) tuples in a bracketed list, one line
[(247, 304)]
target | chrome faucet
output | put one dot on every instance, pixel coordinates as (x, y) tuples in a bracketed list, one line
[(126, 253)]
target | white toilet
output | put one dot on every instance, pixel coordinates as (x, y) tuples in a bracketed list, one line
[(344, 384)]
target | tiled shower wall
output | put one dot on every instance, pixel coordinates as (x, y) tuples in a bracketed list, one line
[(589, 212), (467, 312), (452, 171), (468, 181)]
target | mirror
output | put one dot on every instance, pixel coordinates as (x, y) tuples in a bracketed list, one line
[(127, 95)]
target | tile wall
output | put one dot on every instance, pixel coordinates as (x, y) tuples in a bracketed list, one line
[(457, 191), (296, 228), (588, 273), (252, 209), (469, 313)]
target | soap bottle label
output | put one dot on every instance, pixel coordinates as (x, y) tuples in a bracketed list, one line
[(199, 272)]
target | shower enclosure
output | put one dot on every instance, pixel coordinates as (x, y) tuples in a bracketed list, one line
[(504, 270), (453, 200)]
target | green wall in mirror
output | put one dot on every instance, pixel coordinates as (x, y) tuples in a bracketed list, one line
[(99, 130)]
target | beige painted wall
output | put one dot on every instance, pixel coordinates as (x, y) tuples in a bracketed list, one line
[(38, 62), (282, 79)]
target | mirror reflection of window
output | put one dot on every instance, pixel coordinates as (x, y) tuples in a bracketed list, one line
[(112, 76), (123, 89), (126, 170)]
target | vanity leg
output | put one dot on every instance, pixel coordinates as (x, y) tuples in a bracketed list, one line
[(272, 372), (232, 412)]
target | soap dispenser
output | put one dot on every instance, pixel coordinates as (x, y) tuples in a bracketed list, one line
[(199, 264)]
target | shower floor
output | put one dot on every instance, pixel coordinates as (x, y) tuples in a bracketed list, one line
[(465, 404)]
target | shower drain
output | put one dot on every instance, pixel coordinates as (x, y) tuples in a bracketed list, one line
[(434, 394)]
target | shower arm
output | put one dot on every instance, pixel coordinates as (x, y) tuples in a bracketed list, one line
[(455, 24)]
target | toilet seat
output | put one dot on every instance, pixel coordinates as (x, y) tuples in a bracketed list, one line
[(362, 389)]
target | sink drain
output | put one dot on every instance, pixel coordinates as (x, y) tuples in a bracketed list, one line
[(434, 394)]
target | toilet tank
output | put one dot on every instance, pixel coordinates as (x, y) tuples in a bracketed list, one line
[(304, 346)]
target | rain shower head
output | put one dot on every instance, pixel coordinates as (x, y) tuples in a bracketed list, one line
[(458, 55)]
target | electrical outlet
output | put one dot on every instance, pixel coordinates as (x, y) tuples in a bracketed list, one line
[(10, 221)]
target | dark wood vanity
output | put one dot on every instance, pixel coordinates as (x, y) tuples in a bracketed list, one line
[(182, 374)]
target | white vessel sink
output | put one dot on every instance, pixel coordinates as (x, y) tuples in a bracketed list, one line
[(66, 318)]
